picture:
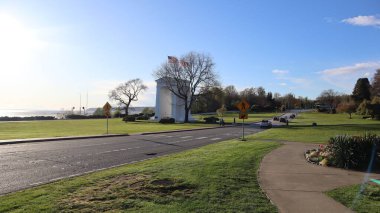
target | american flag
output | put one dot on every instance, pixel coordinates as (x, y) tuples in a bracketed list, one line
[(172, 59), (184, 63)]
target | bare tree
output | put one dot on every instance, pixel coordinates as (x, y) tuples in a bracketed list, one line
[(330, 98), (185, 77), (127, 92)]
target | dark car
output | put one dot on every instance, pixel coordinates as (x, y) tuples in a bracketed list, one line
[(265, 124)]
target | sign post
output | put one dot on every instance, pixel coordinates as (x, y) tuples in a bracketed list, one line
[(107, 112), (243, 106)]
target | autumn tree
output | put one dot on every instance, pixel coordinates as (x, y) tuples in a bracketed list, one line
[(127, 92), (376, 84), (209, 99), (185, 77), (347, 107), (231, 97)]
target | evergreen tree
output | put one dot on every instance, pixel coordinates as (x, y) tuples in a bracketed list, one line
[(362, 90)]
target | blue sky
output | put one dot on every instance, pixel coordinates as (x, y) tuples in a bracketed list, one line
[(53, 51)]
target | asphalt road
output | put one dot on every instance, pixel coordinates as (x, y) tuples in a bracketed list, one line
[(30, 164)]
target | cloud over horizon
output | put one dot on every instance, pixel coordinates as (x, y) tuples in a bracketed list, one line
[(346, 76), (363, 21)]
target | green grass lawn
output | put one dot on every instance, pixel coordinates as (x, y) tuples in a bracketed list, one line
[(366, 201), (57, 128), (328, 125), (229, 117), (220, 177)]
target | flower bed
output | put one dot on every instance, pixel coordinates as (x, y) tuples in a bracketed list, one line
[(319, 156), (348, 152)]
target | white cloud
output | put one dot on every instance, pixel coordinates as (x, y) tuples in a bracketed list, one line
[(346, 76), (280, 72), (283, 84), (363, 21), (359, 67), (367, 75)]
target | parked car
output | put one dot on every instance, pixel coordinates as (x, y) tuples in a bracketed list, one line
[(283, 120), (265, 124)]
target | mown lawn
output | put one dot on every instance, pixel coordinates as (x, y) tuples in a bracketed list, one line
[(57, 128), (328, 125), (221, 177), (60, 128), (361, 199), (229, 117)]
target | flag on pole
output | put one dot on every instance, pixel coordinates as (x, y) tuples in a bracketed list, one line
[(172, 59), (184, 63)]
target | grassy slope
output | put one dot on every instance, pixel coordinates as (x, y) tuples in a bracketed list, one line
[(56, 128), (359, 202), (329, 125), (220, 177)]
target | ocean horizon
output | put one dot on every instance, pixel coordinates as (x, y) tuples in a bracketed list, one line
[(51, 112), (29, 112)]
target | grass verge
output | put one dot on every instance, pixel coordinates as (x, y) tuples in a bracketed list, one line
[(220, 177), (328, 125), (358, 198), (60, 128), (229, 117)]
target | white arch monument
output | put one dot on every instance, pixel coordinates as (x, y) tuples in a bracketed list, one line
[(168, 104)]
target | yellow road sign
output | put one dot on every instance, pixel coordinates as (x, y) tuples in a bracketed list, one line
[(243, 115), (107, 109), (243, 105)]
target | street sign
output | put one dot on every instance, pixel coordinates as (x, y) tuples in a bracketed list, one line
[(107, 109), (107, 112), (243, 105), (243, 115)]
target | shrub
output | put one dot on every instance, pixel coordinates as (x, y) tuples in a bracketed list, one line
[(143, 117), (211, 120), (167, 120), (73, 116), (129, 118), (354, 152)]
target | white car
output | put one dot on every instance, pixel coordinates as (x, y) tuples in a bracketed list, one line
[(265, 124)]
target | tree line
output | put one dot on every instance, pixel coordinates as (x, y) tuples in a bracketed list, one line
[(213, 98), (364, 100)]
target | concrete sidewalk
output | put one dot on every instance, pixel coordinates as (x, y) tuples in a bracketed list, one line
[(294, 185)]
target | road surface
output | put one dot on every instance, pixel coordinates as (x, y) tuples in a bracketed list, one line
[(30, 164)]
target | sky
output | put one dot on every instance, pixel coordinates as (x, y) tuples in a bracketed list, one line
[(54, 52)]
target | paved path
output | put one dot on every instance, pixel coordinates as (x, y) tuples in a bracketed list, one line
[(29, 164), (294, 185)]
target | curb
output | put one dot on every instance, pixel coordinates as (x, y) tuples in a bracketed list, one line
[(18, 141)]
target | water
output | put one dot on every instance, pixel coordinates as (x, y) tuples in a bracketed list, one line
[(28, 113), (55, 113)]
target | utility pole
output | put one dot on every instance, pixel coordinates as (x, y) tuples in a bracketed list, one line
[(80, 104)]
